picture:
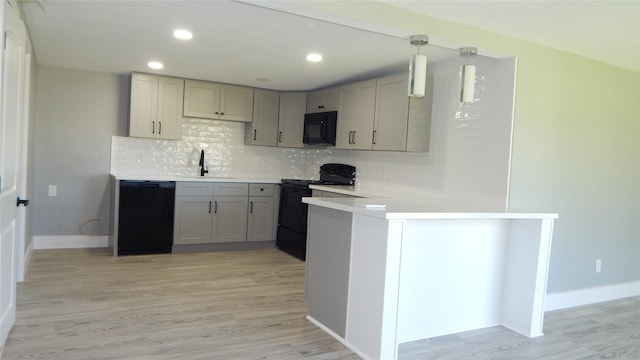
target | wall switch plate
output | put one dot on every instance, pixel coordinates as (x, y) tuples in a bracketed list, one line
[(53, 190), (598, 265)]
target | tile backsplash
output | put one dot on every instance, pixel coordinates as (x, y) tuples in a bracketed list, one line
[(225, 153)]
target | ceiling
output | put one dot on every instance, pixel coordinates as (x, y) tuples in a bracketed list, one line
[(607, 31), (242, 43), (233, 42)]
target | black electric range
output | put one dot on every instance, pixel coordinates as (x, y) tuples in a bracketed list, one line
[(292, 216)]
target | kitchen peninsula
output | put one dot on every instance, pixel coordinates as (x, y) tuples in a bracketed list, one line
[(381, 272)]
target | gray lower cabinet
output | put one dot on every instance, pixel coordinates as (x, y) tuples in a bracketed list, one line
[(260, 224), (192, 221), (210, 213), (229, 219)]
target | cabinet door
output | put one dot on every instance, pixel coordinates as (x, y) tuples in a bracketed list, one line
[(260, 222), (144, 105), (291, 119), (392, 112), (332, 99), (236, 103), (192, 224), (315, 102), (229, 219), (323, 100), (356, 115), (264, 128), (170, 98), (201, 99)]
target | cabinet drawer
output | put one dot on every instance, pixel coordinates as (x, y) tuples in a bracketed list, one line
[(230, 189), (194, 189), (262, 189)]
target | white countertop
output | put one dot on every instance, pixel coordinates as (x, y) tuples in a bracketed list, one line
[(403, 209), (341, 189), (239, 179)]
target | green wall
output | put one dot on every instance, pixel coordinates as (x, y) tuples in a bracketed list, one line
[(576, 143)]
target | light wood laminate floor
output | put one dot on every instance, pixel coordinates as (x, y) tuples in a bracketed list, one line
[(85, 304)]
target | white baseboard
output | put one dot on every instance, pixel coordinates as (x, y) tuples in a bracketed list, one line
[(27, 259), (564, 300), (338, 337), (70, 241)]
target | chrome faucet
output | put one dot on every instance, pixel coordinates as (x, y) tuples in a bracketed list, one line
[(201, 164)]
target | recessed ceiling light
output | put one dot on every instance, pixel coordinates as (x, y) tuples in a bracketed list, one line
[(155, 65), (182, 34), (314, 57)]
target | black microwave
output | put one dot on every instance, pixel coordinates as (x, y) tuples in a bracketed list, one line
[(320, 128)]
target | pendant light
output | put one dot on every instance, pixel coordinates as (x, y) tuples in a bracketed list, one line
[(418, 67), (467, 76)]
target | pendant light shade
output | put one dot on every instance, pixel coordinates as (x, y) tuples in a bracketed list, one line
[(418, 68), (467, 77), (467, 84), (417, 75)]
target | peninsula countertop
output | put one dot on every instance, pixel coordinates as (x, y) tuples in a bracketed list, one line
[(407, 209)]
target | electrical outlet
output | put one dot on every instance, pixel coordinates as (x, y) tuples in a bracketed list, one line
[(53, 190), (598, 265)]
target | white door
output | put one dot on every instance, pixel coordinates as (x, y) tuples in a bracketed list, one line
[(10, 155)]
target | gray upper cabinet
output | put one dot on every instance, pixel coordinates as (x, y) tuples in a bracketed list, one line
[(156, 106), (323, 100), (392, 112), (379, 115), (291, 119), (216, 101), (355, 115), (264, 128), (402, 123)]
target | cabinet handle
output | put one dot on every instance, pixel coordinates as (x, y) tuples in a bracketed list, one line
[(215, 207), (350, 132), (320, 106), (250, 207), (373, 138), (216, 113), (254, 134), (209, 207), (221, 113), (354, 137), (159, 127), (280, 136), (153, 127)]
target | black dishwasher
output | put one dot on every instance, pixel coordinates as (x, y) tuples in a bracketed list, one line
[(145, 221)]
